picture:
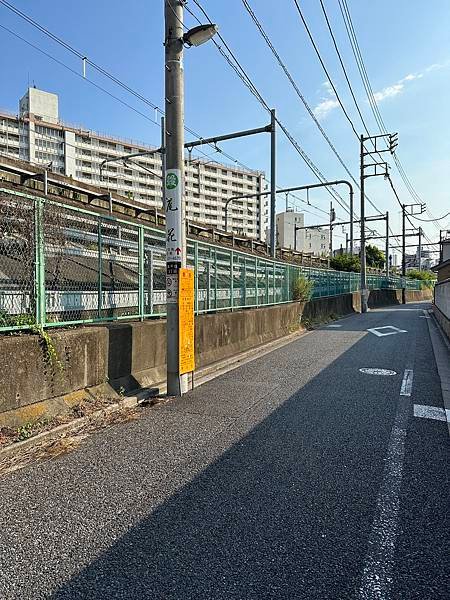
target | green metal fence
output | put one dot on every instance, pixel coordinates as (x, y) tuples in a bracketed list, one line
[(62, 265)]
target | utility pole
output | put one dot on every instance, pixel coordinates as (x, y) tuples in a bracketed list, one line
[(174, 186), (375, 165), (403, 253), (420, 248), (364, 304), (387, 246)]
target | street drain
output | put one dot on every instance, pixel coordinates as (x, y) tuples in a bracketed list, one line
[(369, 371)]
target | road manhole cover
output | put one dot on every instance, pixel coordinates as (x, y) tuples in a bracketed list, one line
[(369, 371)]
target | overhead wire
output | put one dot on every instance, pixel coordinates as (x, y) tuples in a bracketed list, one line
[(351, 33), (235, 64), (113, 78), (295, 85)]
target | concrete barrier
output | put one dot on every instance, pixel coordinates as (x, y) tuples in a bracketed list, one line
[(104, 359), (441, 305)]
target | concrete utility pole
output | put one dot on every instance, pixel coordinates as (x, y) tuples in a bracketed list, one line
[(387, 246), (174, 186), (364, 305), (403, 253), (420, 248)]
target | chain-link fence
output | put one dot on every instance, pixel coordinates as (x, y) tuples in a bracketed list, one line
[(62, 265)]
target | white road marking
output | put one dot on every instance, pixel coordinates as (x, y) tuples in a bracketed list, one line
[(334, 325), (370, 371), (378, 331), (407, 382), (377, 574), (431, 412)]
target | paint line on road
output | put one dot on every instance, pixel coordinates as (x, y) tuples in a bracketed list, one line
[(431, 412), (334, 326), (407, 382), (377, 574)]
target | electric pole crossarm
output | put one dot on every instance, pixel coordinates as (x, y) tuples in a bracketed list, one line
[(228, 136)]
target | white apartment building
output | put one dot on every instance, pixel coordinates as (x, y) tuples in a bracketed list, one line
[(38, 135), (314, 241), (317, 241)]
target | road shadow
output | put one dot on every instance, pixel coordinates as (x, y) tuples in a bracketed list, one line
[(285, 512)]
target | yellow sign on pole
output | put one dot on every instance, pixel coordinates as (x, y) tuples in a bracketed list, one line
[(186, 320)]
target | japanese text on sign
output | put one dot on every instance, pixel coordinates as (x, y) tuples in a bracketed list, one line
[(186, 320)]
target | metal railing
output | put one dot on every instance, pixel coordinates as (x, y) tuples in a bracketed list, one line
[(63, 265)]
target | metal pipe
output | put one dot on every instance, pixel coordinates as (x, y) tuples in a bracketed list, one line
[(273, 183), (387, 246), (364, 299), (228, 136)]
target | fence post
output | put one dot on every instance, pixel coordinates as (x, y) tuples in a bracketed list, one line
[(232, 279), (274, 283), (288, 286), (39, 262), (256, 281), (100, 268), (245, 282), (215, 278), (208, 284), (150, 283), (141, 278), (196, 276)]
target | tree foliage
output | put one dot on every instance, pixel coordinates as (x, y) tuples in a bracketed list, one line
[(346, 262), (426, 277), (374, 257)]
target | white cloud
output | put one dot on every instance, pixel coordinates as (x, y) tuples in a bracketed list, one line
[(389, 92), (324, 107), (397, 88), (327, 103)]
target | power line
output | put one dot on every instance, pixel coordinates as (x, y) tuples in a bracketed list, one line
[(104, 72), (346, 16), (305, 24), (234, 63), (431, 220), (56, 60), (113, 78), (294, 85)]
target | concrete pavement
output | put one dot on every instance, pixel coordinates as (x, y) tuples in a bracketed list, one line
[(294, 476)]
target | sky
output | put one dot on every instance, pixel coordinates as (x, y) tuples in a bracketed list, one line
[(406, 49)]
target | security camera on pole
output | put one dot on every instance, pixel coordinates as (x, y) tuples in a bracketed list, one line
[(175, 39)]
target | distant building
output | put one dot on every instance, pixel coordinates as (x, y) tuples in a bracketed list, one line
[(313, 241), (38, 135), (413, 262), (443, 267)]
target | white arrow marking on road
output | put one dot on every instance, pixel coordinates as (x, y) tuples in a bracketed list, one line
[(392, 330), (431, 412)]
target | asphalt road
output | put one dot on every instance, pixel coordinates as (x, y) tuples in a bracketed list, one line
[(295, 476)]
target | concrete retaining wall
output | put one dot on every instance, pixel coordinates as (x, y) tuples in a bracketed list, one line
[(442, 305), (131, 355)]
